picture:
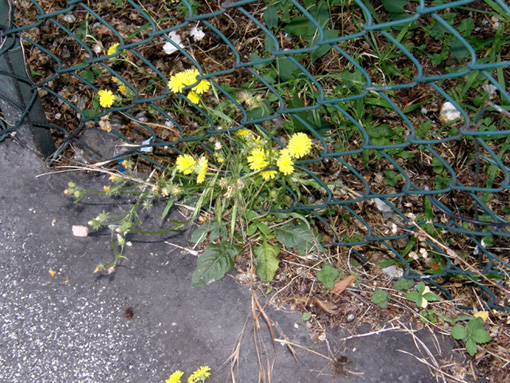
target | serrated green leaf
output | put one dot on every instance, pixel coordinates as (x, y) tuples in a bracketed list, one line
[(212, 265), (380, 298), (327, 276), (459, 332), (403, 284), (297, 237), (471, 347), (481, 336), (267, 261)]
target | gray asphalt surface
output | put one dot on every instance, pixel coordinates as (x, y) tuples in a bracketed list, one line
[(72, 327)]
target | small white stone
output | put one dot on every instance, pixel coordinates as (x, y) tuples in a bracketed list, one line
[(448, 113), (80, 231), (393, 272)]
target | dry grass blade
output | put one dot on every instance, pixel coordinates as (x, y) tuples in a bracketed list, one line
[(257, 310)]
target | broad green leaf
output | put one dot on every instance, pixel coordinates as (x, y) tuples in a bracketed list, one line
[(199, 233), (380, 298), (306, 317), (263, 228), (395, 6), (297, 237), (431, 297), (212, 265), (298, 26), (403, 284), (271, 17), (287, 69), (327, 275), (414, 296), (471, 347), (459, 332), (322, 50), (267, 261), (420, 287)]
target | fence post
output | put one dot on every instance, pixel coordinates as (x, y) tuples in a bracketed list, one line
[(19, 102)]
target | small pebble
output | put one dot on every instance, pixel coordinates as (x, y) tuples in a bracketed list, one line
[(80, 231)]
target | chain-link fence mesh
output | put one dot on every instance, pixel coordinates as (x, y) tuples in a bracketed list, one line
[(406, 101)]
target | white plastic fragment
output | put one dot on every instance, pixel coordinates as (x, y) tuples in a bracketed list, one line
[(80, 231), (448, 113), (147, 149), (170, 48), (197, 34)]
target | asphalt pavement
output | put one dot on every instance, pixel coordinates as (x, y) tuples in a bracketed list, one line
[(145, 321)]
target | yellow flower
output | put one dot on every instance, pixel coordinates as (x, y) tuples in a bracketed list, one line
[(244, 133), (178, 82), (193, 97), (122, 88), (113, 49), (268, 174), (175, 377), (200, 375), (106, 188), (285, 163), (201, 169), (106, 98), (202, 87), (185, 164), (257, 159), (299, 145)]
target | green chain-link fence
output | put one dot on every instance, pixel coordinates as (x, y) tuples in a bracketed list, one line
[(406, 101)]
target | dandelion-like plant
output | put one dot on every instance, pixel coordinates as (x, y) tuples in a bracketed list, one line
[(106, 98)]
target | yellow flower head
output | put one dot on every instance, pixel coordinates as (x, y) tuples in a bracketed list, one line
[(202, 87), (122, 88), (257, 159), (299, 145), (201, 169), (200, 375), (175, 377), (185, 164), (113, 49), (178, 82), (268, 174), (106, 98), (285, 163), (193, 97)]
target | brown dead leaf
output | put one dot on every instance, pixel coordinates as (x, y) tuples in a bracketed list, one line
[(329, 307), (341, 285)]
